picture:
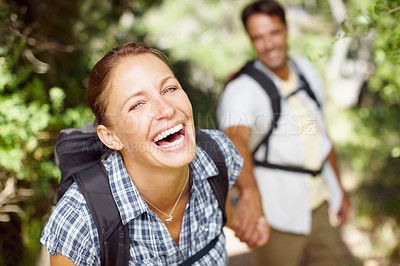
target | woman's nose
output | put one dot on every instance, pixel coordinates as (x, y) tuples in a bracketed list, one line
[(163, 109)]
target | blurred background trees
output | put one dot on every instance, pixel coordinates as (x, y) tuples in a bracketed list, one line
[(47, 48)]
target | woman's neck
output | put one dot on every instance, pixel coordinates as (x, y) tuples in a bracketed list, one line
[(166, 192), (160, 186)]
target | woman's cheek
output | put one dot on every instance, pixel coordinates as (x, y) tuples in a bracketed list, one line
[(129, 124)]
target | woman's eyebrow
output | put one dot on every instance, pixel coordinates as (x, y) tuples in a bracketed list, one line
[(131, 96), (164, 80)]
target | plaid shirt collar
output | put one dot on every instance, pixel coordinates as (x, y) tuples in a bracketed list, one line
[(127, 197)]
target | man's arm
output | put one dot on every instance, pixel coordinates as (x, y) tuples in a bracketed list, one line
[(342, 214), (249, 223)]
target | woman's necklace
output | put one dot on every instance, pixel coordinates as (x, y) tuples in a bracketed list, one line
[(169, 219)]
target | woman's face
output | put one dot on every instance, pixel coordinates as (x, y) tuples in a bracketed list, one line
[(151, 116)]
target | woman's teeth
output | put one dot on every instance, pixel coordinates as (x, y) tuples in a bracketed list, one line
[(168, 132), (176, 142)]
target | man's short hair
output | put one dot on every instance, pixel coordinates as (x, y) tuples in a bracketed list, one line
[(267, 7)]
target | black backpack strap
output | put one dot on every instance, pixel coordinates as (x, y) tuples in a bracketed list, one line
[(269, 87), (219, 183), (201, 253), (290, 168), (113, 235), (304, 85)]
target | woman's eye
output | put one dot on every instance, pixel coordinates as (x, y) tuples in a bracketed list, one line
[(135, 106), (169, 90)]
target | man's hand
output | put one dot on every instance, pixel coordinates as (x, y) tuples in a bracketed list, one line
[(343, 212), (249, 224)]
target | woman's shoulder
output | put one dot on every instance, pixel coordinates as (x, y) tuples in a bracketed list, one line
[(72, 205), (72, 197), (214, 133), (71, 230), (219, 137), (224, 143)]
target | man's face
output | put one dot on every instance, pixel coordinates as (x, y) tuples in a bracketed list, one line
[(268, 35)]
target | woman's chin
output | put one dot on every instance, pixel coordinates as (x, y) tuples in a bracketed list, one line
[(178, 157)]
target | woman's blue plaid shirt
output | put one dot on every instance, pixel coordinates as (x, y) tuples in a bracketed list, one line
[(71, 230)]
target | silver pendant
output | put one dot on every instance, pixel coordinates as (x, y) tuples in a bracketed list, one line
[(169, 219)]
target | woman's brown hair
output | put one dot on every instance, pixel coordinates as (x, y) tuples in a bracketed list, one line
[(99, 78)]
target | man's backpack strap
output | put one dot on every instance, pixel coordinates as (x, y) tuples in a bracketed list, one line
[(290, 168), (219, 183), (113, 235), (269, 87), (304, 85)]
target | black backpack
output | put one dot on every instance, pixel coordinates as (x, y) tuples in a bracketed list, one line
[(269, 87), (79, 153)]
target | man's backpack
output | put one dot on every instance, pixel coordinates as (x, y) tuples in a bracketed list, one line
[(79, 153), (269, 87)]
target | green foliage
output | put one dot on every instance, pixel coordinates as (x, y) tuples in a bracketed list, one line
[(383, 21), (376, 154), (208, 33), (372, 151), (19, 124), (30, 117)]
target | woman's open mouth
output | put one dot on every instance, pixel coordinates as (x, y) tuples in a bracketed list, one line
[(170, 137)]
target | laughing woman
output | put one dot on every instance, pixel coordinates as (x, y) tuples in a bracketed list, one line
[(159, 175)]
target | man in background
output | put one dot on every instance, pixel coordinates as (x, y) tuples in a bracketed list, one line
[(285, 144)]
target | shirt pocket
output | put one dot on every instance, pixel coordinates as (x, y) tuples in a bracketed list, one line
[(147, 250)]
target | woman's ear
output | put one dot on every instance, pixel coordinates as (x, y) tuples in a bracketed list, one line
[(109, 139)]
